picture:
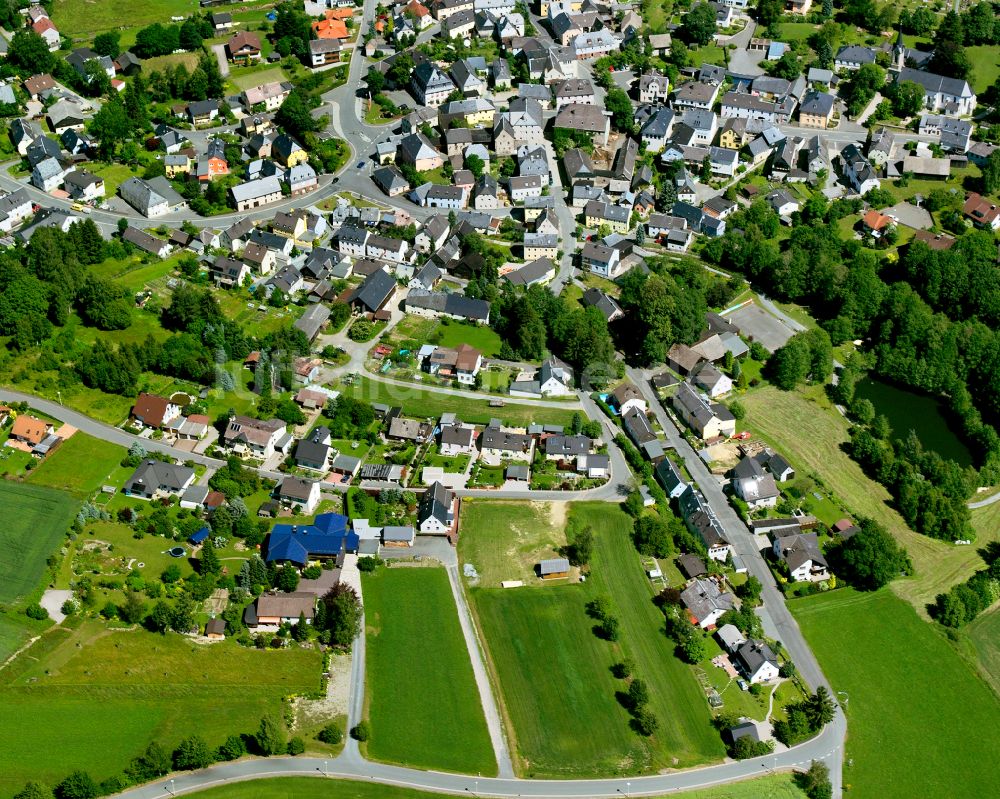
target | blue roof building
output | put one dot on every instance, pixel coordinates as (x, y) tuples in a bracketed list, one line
[(327, 537), (201, 535)]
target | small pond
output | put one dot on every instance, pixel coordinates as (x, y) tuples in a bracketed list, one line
[(907, 410)]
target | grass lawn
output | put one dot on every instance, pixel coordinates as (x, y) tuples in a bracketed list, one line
[(161, 62), (483, 338), (555, 685), (428, 715), (428, 404), (902, 677), (985, 66), (796, 31), (15, 629), (259, 77), (80, 465), (98, 697), (114, 174), (505, 540), (808, 430), (37, 519), (777, 786)]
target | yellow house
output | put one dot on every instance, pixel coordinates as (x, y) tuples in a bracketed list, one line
[(730, 140), (176, 165), (481, 116), (288, 151), (615, 217)]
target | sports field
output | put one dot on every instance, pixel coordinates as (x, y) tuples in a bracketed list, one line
[(423, 704), (554, 673), (80, 465), (778, 786), (920, 721), (35, 521), (808, 430), (86, 698), (428, 404)]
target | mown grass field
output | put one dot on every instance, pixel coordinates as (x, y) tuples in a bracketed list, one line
[(554, 673), (87, 698), (984, 635), (778, 786), (35, 521), (920, 721), (985, 66), (423, 703), (80, 465), (483, 338), (809, 431), (506, 540), (426, 404)]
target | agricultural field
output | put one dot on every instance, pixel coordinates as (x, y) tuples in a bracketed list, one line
[(80, 465), (808, 430), (77, 19), (908, 691), (506, 540), (776, 786), (425, 713), (37, 518), (428, 404), (555, 683), (99, 696)]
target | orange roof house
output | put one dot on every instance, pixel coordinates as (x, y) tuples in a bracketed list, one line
[(330, 29), (339, 13), (418, 10), (29, 429), (875, 220)]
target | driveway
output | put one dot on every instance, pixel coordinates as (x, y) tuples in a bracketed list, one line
[(220, 56)]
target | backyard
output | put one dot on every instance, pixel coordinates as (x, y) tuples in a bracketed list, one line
[(427, 404), (907, 691), (422, 699), (99, 696)]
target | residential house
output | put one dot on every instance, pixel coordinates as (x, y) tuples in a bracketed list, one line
[(701, 521), (326, 538), (816, 110), (600, 259), (145, 198), (430, 85), (654, 88), (626, 397), (47, 175), (498, 443), (706, 602), (151, 410), (390, 180), (754, 485), (15, 207), (954, 135), (587, 118), (255, 438), (456, 306), (416, 150), (154, 478), (243, 47), (324, 51), (299, 493), (375, 293), (756, 661), (436, 511), (255, 193), (457, 439), (670, 477), (609, 309), (858, 171), (852, 57), (712, 381), (982, 212), (461, 363), (708, 419), (800, 552)]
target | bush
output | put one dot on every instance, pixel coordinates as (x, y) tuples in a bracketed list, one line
[(331, 734), (36, 611), (296, 746), (369, 563), (361, 731)]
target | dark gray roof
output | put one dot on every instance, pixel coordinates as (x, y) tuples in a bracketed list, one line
[(436, 502), (376, 288)]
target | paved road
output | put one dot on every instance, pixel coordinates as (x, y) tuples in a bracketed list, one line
[(350, 765), (782, 623)]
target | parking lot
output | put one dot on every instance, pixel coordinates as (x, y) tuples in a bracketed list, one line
[(756, 324)]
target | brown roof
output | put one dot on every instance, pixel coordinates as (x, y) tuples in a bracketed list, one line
[(626, 392), (286, 605), (242, 40), (151, 409), (981, 210), (39, 83), (214, 499), (30, 429), (936, 241)]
